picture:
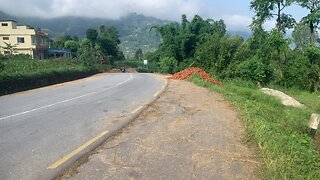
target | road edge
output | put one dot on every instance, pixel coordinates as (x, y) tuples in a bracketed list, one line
[(83, 157)]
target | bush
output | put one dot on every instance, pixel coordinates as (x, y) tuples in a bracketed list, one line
[(295, 73), (25, 74), (255, 70), (168, 65), (153, 67), (143, 70), (313, 55), (1, 65)]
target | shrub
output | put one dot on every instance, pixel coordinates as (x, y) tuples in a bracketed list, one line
[(255, 70), (295, 74), (168, 65), (313, 55), (142, 70), (1, 65)]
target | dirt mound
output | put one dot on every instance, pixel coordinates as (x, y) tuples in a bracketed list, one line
[(188, 73)]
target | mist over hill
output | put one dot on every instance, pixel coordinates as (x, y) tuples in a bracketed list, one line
[(133, 29)]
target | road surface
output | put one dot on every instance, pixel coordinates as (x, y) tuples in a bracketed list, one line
[(43, 131)]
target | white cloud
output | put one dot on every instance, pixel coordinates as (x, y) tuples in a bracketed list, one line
[(269, 25), (238, 22), (115, 9)]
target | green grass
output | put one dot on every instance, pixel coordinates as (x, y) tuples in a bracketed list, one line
[(15, 69), (19, 74), (311, 100), (280, 132)]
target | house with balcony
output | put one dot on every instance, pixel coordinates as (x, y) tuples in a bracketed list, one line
[(23, 39)]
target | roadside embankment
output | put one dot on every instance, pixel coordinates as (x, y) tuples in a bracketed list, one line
[(20, 75), (281, 133)]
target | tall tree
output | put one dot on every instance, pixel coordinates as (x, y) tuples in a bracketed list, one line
[(184, 22), (138, 55), (72, 46), (109, 33), (109, 41), (313, 18), (268, 9), (301, 35), (92, 35)]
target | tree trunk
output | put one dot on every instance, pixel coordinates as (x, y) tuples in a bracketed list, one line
[(279, 17), (279, 55), (311, 24), (311, 33)]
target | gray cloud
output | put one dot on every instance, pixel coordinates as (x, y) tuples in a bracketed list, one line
[(114, 9)]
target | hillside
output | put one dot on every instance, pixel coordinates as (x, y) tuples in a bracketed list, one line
[(133, 29)]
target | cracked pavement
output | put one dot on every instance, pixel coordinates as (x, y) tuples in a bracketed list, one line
[(188, 133)]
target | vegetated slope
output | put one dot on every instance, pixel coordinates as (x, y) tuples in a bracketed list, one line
[(133, 29), (21, 73), (280, 132)]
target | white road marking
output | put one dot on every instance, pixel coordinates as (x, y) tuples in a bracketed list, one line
[(64, 101)]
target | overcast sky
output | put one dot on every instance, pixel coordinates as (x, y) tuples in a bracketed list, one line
[(236, 13)]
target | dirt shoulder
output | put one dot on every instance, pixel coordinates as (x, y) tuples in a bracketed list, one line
[(188, 133)]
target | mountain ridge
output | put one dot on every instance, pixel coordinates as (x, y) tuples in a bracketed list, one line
[(133, 29)]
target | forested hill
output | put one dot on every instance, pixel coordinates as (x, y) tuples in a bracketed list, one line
[(133, 29)]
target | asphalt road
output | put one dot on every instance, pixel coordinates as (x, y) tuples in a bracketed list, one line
[(43, 131)]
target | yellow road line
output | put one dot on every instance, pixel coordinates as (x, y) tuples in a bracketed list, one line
[(156, 94), (136, 110), (76, 151), (162, 88)]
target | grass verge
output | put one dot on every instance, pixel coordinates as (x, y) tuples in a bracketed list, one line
[(17, 75), (280, 132)]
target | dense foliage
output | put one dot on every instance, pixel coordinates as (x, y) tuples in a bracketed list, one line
[(22, 66), (99, 47), (264, 58), (20, 72)]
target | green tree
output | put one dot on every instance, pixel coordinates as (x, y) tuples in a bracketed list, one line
[(301, 36), (75, 38), (138, 54), (268, 9), (277, 41), (168, 65), (87, 55), (59, 42), (100, 47), (313, 18), (72, 46), (296, 72), (184, 22), (109, 41), (92, 35), (109, 33), (1, 62)]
